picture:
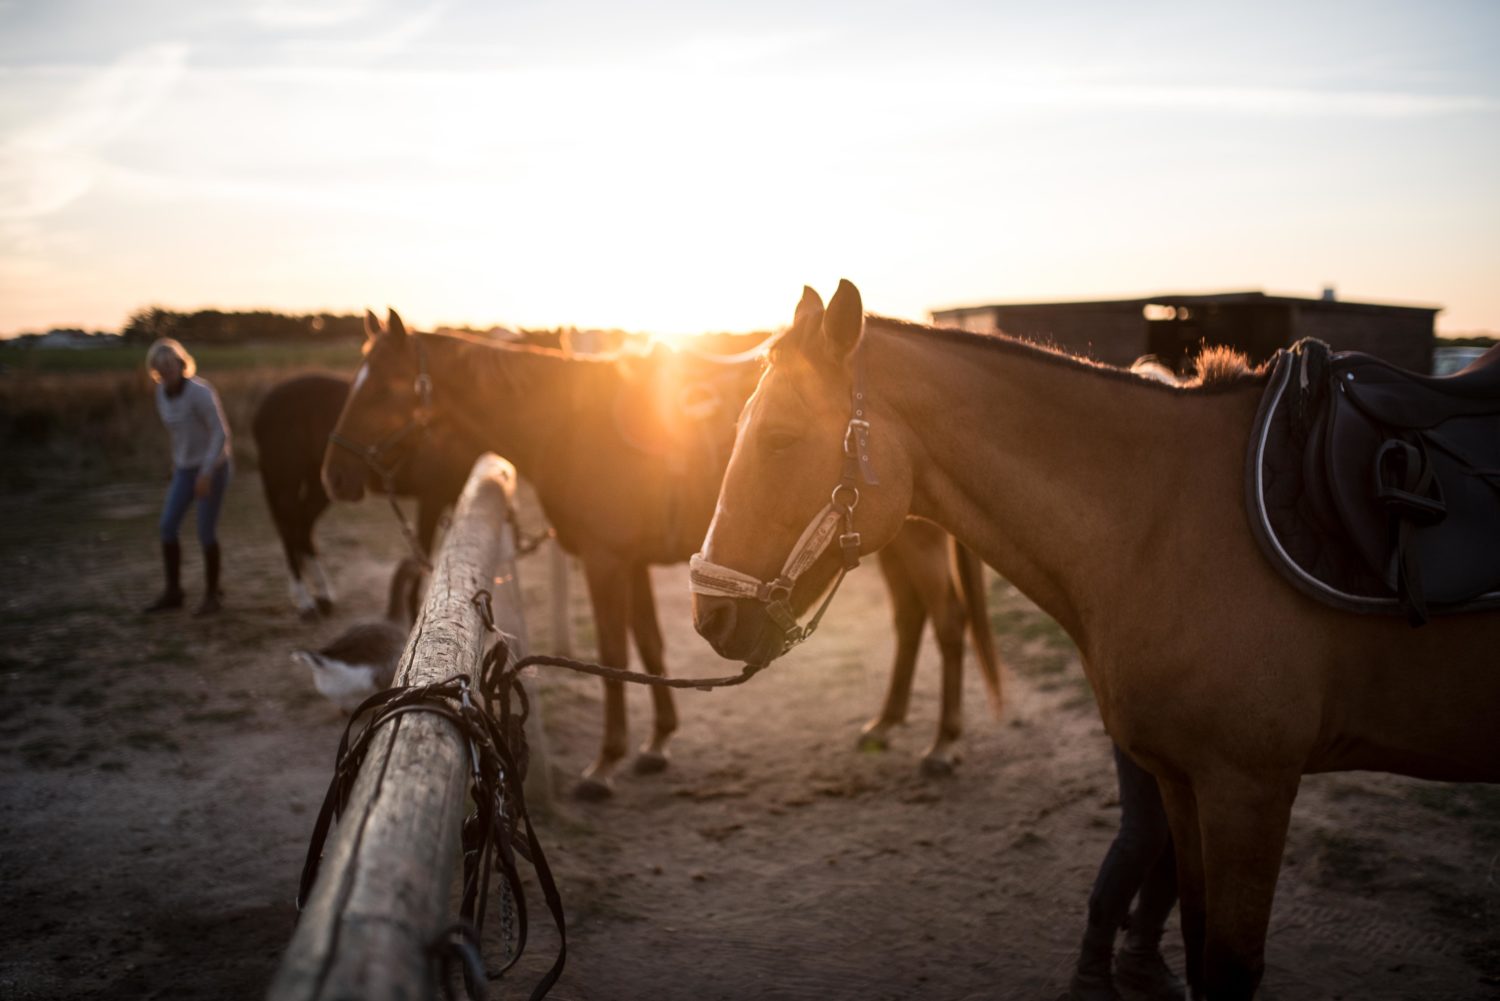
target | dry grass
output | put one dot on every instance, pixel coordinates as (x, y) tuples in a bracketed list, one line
[(86, 427)]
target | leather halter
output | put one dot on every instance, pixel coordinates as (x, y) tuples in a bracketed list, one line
[(376, 455), (716, 580)]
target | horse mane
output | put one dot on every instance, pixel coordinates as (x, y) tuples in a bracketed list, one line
[(1218, 368)]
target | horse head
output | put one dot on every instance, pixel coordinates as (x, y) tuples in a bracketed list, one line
[(801, 499), (387, 411)]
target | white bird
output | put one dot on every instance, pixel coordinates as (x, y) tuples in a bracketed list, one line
[(363, 659)]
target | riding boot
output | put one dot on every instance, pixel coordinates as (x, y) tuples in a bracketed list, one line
[(1142, 973), (171, 596), (1092, 980), (211, 592)]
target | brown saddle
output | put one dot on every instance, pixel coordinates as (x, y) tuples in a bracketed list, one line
[(1375, 489)]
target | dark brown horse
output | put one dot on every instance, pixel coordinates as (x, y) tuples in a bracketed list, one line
[(625, 454), (291, 427), (1116, 503)]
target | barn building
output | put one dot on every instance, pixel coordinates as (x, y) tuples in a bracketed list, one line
[(1173, 326)]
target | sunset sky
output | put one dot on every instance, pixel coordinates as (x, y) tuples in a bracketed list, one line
[(683, 167)]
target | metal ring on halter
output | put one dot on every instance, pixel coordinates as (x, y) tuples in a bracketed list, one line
[(833, 498)]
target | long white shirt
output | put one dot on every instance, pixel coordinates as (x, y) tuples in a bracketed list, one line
[(195, 422)]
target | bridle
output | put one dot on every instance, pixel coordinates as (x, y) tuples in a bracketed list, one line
[(715, 580), (377, 455)]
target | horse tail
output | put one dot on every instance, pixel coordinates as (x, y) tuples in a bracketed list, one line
[(970, 573)]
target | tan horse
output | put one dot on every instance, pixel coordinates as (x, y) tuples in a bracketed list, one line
[(625, 454), (1116, 503)]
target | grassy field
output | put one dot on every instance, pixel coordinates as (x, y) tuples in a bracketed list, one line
[(87, 417), (16, 358)]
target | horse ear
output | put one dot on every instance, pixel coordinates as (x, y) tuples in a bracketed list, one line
[(372, 326), (845, 320), (809, 311), (393, 324)]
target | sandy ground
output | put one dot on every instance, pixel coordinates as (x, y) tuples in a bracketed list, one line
[(160, 778)]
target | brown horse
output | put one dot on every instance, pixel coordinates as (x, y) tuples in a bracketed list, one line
[(625, 454), (1116, 504), (291, 428)]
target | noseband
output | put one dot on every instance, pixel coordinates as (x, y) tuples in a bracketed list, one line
[(377, 455), (720, 581)]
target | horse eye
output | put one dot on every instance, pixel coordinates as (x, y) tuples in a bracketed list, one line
[(780, 441)]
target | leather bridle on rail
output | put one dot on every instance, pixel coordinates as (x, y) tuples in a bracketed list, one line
[(715, 580)]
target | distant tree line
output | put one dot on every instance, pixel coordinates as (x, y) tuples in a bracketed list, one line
[(213, 326)]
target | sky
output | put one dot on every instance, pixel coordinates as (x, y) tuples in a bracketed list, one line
[(681, 167)]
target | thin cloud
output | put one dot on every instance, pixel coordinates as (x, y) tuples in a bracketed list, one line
[(302, 14), (46, 166)]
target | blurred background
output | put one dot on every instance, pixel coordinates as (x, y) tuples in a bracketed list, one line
[(680, 167)]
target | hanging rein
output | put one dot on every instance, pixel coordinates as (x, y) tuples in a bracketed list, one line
[(717, 580)]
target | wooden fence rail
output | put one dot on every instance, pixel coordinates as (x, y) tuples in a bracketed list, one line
[(384, 888)]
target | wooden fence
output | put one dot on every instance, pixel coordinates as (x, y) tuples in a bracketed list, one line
[(384, 888)]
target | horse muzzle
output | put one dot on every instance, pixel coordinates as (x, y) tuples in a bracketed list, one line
[(738, 628), (342, 483)]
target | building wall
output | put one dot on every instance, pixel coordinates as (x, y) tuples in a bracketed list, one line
[(1404, 339)]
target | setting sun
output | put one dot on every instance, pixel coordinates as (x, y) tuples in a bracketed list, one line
[(478, 165)]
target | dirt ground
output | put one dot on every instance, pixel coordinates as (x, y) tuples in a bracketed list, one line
[(161, 775)]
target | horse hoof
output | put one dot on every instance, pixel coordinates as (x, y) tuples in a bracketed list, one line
[(650, 763), (937, 766), (872, 741), (592, 790), (325, 606)]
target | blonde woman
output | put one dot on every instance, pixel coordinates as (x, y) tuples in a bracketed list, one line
[(201, 463)]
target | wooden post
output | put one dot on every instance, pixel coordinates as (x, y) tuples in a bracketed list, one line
[(383, 890)]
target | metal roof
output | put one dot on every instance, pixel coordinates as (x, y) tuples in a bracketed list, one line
[(1196, 299)]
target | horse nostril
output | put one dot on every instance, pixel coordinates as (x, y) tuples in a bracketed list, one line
[(716, 620)]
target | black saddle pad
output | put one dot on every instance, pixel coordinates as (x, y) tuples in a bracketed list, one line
[(1384, 499)]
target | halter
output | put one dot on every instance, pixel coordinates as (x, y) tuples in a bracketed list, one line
[(376, 456), (720, 581)]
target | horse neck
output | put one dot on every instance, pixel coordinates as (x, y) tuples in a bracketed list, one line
[(517, 402), (1063, 478)]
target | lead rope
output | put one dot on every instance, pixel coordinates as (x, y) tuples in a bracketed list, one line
[(498, 758)]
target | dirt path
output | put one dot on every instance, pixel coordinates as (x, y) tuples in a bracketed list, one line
[(160, 779)]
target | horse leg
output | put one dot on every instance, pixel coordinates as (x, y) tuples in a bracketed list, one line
[(949, 618), (910, 617), (286, 515), (1182, 816), (1243, 823), (313, 506), (609, 592), (648, 642), (429, 513)]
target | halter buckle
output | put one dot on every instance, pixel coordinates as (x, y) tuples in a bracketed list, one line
[(856, 428), (779, 589)]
